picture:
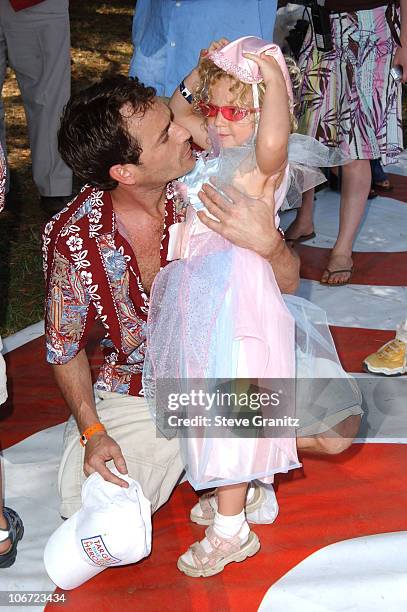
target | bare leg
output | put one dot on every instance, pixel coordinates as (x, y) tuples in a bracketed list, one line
[(356, 181), (232, 499), (303, 224), (4, 546), (229, 526)]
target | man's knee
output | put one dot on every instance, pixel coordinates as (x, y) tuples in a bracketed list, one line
[(335, 440), (340, 437), (333, 446)]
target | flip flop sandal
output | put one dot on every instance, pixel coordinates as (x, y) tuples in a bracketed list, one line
[(332, 272), (208, 504), (15, 528), (224, 551), (302, 238), (382, 187)]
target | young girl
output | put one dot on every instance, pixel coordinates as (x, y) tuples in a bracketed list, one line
[(217, 312)]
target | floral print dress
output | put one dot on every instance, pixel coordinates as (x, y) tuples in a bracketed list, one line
[(348, 97)]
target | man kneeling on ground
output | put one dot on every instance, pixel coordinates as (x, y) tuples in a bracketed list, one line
[(101, 255)]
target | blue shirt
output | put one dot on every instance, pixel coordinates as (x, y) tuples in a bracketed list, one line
[(169, 34)]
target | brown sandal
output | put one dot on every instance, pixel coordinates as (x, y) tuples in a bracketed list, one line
[(332, 272), (302, 238)]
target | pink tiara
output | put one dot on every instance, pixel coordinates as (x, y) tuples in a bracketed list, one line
[(231, 60)]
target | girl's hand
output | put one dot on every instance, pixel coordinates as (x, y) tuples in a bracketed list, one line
[(215, 45), (269, 68)]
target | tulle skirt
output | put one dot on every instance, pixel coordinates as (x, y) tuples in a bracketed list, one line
[(217, 322)]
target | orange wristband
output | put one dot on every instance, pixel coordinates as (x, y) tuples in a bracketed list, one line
[(89, 431)]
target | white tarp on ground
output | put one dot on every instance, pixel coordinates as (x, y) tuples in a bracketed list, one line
[(384, 226), (400, 167), (370, 306), (367, 574), (30, 471)]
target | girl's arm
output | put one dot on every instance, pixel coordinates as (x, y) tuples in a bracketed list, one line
[(274, 126), (184, 113)]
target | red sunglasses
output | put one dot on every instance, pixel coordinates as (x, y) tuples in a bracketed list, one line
[(231, 113)]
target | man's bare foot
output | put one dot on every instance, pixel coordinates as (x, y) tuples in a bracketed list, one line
[(338, 271), (298, 231)]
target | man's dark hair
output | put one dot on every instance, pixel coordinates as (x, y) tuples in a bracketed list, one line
[(93, 136)]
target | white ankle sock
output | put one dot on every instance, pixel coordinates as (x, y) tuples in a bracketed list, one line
[(229, 526)]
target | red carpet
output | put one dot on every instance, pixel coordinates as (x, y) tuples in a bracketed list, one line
[(360, 493), (34, 401), (399, 191), (369, 268)]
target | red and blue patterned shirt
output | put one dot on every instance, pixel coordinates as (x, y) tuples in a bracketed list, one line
[(91, 273)]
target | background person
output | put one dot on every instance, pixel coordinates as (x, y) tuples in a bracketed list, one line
[(35, 43), (391, 358), (11, 525), (349, 100), (168, 34)]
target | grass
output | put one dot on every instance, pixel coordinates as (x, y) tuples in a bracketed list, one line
[(101, 44)]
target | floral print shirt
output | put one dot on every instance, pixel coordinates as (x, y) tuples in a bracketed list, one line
[(91, 273)]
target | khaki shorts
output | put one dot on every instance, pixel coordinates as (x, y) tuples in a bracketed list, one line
[(154, 462)]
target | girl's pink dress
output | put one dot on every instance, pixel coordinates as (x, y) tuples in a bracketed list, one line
[(216, 314)]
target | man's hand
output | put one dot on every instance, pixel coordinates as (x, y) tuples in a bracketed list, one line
[(245, 221), (100, 449)]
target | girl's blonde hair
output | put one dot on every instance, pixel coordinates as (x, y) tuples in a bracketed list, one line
[(210, 74)]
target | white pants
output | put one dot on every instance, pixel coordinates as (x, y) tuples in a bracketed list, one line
[(35, 43)]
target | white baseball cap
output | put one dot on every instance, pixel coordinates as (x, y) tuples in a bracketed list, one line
[(113, 527)]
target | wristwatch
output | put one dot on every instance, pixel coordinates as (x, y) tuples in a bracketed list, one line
[(185, 93), (89, 431)]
